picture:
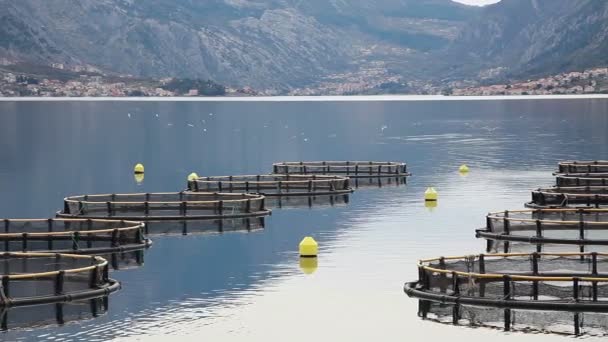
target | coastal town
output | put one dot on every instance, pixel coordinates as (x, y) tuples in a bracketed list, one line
[(85, 82)]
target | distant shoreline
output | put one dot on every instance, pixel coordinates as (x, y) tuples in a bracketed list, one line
[(352, 98)]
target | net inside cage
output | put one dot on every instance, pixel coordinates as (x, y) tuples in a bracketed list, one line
[(352, 169), (578, 197), (581, 226), (164, 205), (36, 278), (273, 185), (597, 166), (553, 322), (567, 277), (582, 179), (41, 315), (71, 235)]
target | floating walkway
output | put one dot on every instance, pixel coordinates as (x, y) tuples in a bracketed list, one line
[(274, 185), (43, 278), (78, 236), (574, 166), (573, 197), (352, 169), (164, 206), (535, 281), (548, 226)]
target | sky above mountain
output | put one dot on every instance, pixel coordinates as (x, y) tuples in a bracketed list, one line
[(478, 2)]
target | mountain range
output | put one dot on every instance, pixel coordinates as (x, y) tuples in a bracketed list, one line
[(324, 45)]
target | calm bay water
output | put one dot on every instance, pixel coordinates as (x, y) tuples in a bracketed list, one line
[(249, 286)]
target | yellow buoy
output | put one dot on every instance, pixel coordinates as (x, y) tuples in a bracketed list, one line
[(308, 247), (309, 265), (463, 168), (139, 178), (192, 177), (430, 195), (139, 168)]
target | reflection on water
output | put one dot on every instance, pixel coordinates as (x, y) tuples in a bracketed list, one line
[(250, 286)]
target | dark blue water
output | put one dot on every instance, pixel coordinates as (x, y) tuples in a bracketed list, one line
[(249, 286)]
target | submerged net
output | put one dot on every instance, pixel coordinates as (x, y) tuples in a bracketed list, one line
[(39, 278), (575, 197), (528, 321), (582, 179), (274, 185), (542, 281), (352, 169), (71, 235), (564, 226), (212, 226), (165, 206), (42, 315), (574, 166)]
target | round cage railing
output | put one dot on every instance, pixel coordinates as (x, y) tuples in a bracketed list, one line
[(574, 197), (80, 236), (537, 281), (274, 185), (548, 226), (43, 278), (564, 323), (43, 315), (352, 169), (581, 179), (164, 206), (581, 166)]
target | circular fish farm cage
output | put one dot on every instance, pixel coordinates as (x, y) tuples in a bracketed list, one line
[(44, 278), (564, 323), (80, 236), (211, 226), (274, 185), (164, 206), (579, 166), (573, 197), (351, 169), (582, 179), (534, 281), (43, 315), (548, 226)]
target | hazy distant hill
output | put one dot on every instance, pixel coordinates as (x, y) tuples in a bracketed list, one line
[(285, 44)]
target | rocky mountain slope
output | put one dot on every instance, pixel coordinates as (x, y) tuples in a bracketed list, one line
[(260, 43), (327, 45)]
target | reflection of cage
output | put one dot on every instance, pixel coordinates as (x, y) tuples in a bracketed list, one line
[(125, 260), (43, 278), (378, 182), (541, 281), (574, 197), (71, 235), (553, 322), (574, 166), (563, 226), (165, 206), (352, 169), (283, 202), (582, 179), (36, 316), (187, 227), (274, 185)]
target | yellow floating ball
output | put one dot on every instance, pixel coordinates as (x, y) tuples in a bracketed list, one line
[(309, 247), (139, 168)]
